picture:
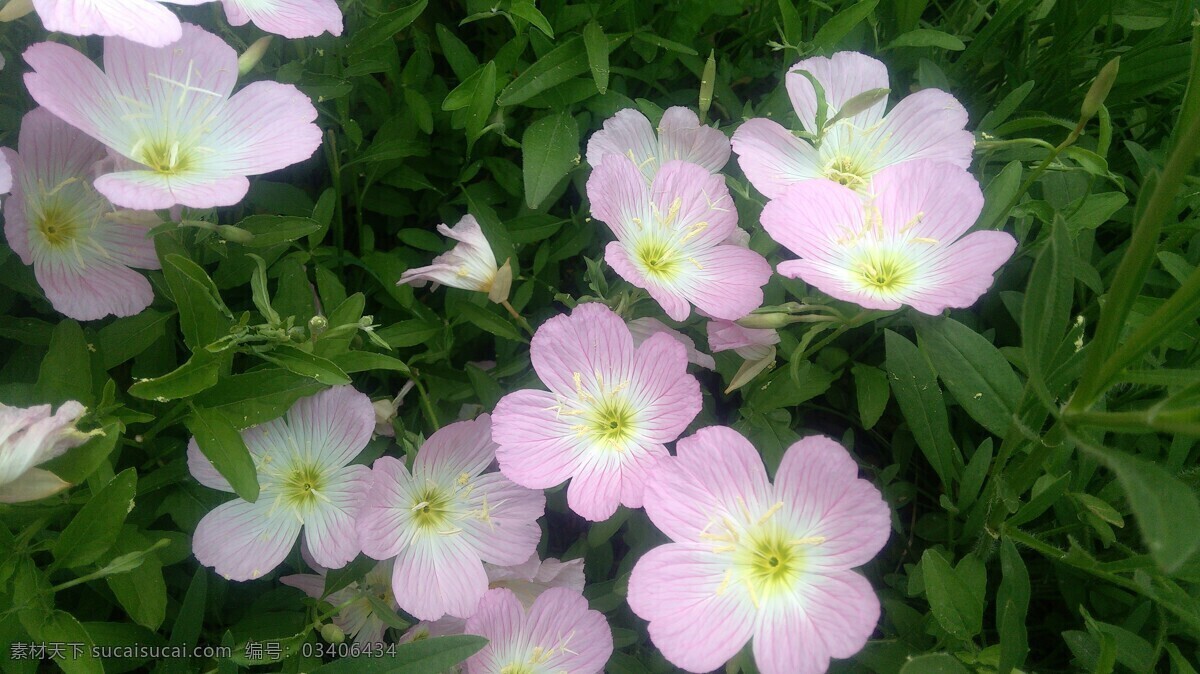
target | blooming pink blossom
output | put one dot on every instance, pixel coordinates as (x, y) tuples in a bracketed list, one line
[(558, 633), (680, 136), (446, 518), (30, 436), (604, 421), (304, 481), (358, 617), (672, 238), (81, 249), (168, 112), (645, 328), (144, 21), (470, 265), (926, 125), (900, 245), (749, 343), (289, 18), (752, 560)]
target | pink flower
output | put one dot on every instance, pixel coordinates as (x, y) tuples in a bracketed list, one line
[(752, 560), (645, 328), (470, 265), (30, 436), (900, 245), (304, 481), (143, 21), (446, 518), (609, 411), (559, 633), (289, 18), (925, 125), (358, 619), (81, 249), (671, 238), (749, 343), (680, 136), (169, 113)]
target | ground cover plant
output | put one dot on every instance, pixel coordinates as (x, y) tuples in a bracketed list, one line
[(561, 336)]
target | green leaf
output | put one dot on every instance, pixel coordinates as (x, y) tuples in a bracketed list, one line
[(934, 663), (490, 321), (842, 23), (190, 620), (549, 149), (272, 230), (304, 363), (1045, 314), (871, 387), (203, 317), (955, 606), (974, 370), (669, 45), (1000, 191), (564, 62), (95, 528), (253, 398), (200, 372), (1012, 607), (141, 591), (483, 98), (66, 372), (125, 338), (916, 389), (385, 27), (365, 361), (927, 37), (62, 627), (425, 656), (221, 443), (596, 43), (77, 464), (526, 10)]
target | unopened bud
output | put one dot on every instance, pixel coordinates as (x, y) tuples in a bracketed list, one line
[(384, 413), (707, 82), (766, 320), (860, 103), (15, 9), (318, 324), (234, 234), (501, 283), (332, 633), (1099, 91), (253, 55)]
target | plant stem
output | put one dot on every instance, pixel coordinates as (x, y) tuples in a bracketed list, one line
[(426, 404), (517, 316)]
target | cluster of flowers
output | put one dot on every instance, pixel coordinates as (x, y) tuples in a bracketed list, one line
[(158, 127)]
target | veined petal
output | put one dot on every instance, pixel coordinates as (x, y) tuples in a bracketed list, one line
[(189, 81), (815, 220), (329, 529), (460, 448), (682, 136), (596, 487), (727, 281), (76, 91), (144, 21), (33, 484), (620, 196), (439, 575), (149, 190), (833, 616), (772, 158), (923, 198), (264, 127), (960, 273), (538, 446), (668, 401), (591, 340), (575, 638), (244, 541), (669, 298), (693, 204), (203, 470), (504, 520), (843, 76), (94, 289), (643, 328), (626, 132), (926, 125), (384, 525), (331, 427), (290, 18), (500, 619)]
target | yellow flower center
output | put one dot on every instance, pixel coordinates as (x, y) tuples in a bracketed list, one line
[(611, 422), (302, 486), (884, 272), (846, 171), (432, 508), (765, 558), (657, 259), (167, 158), (58, 226)]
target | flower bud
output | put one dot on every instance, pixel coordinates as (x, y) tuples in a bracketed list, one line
[(253, 55), (234, 234), (1099, 91), (332, 633), (765, 320), (707, 82), (15, 9), (318, 324)]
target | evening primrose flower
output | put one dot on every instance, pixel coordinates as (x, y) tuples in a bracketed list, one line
[(673, 238), (83, 251), (610, 409), (680, 136), (169, 113), (358, 619), (752, 560), (447, 517), (928, 124), (470, 265), (30, 436), (645, 328), (558, 633), (304, 482), (290, 18), (899, 245)]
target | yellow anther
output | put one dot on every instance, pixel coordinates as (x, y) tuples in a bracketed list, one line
[(770, 511)]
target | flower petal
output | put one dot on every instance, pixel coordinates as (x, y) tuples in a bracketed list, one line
[(682, 136), (69, 85), (500, 619), (149, 190), (264, 127), (460, 448), (627, 131), (843, 76), (937, 201), (728, 281), (644, 328), (670, 299), (591, 339), (833, 616), (435, 576), (537, 448), (244, 541), (578, 638), (509, 533), (145, 21), (772, 158), (619, 195), (596, 488), (926, 125), (811, 218), (290, 18), (33, 484), (97, 288), (384, 527), (203, 470), (703, 212), (333, 426), (668, 397), (329, 529), (962, 272)]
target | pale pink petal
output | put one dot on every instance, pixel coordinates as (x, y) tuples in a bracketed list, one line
[(773, 158), (189, 78), (727, 335), (812, 218), (333, 426), (962, 272), (937, 201), (6, 178), (384, 524), (591, 339), (310, 584), (149, 190), (538, 448), (203, 470), (244, 541), (843, 76), (76, 91), (145, 21), (581, 638), (619, 195), (32, 485), (595, 489), (460, 448), (704, 213), (833, 616), (510, 534), (625, 132), (728, 281), (500, 619), (329, 529), (668, 398), (926, 125), (98, 288), (833, 280), (824, 497), (670, 299), (290, 18), (682, 136), (696, 627), (636, 469), (643, 328), (265, 127), (436, 576)]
